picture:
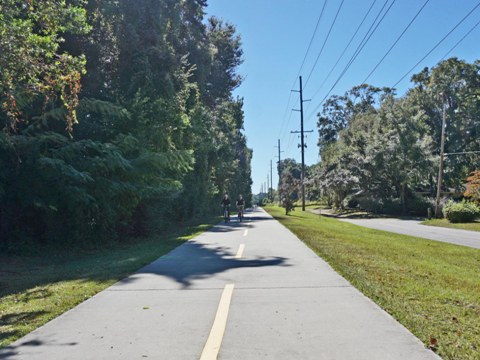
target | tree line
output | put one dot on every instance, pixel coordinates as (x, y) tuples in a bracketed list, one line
[(114, 112), (381, 152)]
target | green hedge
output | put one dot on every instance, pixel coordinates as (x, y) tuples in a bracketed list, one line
[(416, 205), (461, 212)]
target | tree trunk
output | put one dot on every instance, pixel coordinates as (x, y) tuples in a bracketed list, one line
[(403, 196)]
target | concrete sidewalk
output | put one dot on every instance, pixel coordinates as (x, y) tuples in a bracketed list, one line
[(286, 303)]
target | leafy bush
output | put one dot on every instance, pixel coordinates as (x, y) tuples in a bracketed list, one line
[(371, 204), (419, 206), (377, 205), (265, 201), (392, 206), (77, 193), (460, 212), (351, 202), (289, 189)]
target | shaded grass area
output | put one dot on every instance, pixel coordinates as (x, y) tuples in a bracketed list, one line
[(36, 289), (474, 226), (432, 288)]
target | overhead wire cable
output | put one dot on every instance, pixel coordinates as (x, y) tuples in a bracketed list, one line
[(396, 41), (344, 51), (312, 38), (367, 36), (357, 52), (324, 43), (288, 122), (289, 143), (437, 44), (285, 114), (300, 70), (460, 41)]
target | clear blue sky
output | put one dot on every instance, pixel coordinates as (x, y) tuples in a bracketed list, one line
[(276, 34)]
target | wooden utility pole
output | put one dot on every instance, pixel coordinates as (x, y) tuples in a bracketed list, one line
[(271, 180), (279, 159), (440, 170), (279, 173), (268, 184), (279, 151), (302, 141)]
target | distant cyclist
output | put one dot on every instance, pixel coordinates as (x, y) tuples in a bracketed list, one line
[(240, 206), (226, 207)]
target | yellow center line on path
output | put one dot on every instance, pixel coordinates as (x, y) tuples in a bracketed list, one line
[(245, 232), (214, 341), (241, 248)]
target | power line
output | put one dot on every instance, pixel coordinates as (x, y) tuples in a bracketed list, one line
[(396, 41), (367, 37), (436, 45), (360, 47), (290, 139), (311, 39), (345, 49), (459, 41), (301, 67), (324, 43), (286, 112)]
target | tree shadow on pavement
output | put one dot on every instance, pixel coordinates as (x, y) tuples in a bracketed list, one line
[(234, 224), (230, 226), (29, 275), (195, 261), (11, 350)]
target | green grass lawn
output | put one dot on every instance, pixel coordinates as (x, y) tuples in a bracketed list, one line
[(432, 288), (36, 289), (475, 226)]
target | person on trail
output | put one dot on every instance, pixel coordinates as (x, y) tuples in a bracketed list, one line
[(226, 207), (240, 206)]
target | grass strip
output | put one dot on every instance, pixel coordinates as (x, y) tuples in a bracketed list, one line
[(474, 226), (432, 288), (36, 289)]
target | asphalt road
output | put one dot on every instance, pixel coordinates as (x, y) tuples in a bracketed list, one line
[(414, 228), (241, 291)]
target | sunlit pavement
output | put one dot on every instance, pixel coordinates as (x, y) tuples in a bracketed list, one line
[(247, 290)]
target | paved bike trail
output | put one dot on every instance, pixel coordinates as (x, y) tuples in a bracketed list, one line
[(284, 302)]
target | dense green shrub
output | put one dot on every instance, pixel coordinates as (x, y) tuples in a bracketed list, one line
[(377, 205), (289, 190), (392, 206), (351, 202), (460, 212), (371, 204), (419, 206)]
